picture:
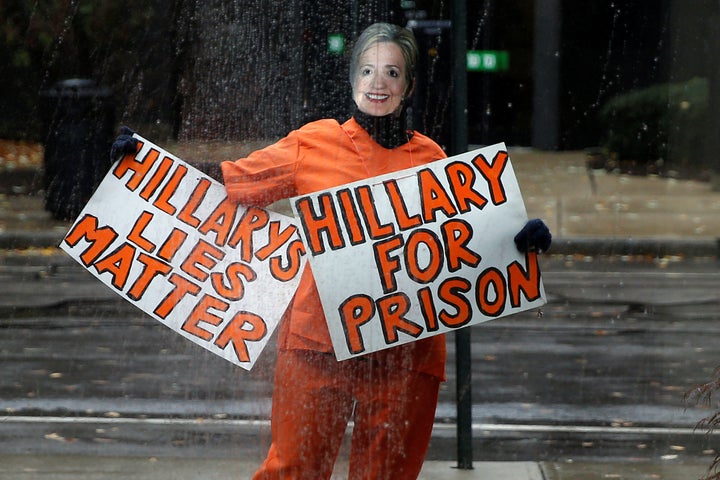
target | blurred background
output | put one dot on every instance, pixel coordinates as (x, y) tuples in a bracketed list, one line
[(633, 79)]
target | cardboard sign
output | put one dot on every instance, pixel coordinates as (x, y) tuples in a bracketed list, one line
[(166, 238), (419, 252)]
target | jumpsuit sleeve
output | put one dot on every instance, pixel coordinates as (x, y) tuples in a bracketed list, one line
[(266, 175)]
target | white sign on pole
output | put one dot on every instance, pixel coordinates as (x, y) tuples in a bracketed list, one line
[(419, 252), (165, 237)]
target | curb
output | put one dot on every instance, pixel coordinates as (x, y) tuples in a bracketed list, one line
[(591, 246), (651, 246), (23, 239)]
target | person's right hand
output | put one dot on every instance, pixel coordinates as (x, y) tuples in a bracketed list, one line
[(124, 144)]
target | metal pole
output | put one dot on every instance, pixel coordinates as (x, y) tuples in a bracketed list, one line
[(459, 144), (546, 75)]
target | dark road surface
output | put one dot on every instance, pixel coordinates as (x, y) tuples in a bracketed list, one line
[(599, 373)]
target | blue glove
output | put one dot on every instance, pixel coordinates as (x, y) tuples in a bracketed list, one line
[(534, 236), (124, 144)]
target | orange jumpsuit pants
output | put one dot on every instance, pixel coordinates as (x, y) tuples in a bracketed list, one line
[(314, 398)]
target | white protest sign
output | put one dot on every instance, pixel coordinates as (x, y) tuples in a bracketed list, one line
[(419, 252), (165, 237)]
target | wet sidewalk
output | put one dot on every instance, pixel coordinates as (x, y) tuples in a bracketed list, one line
[(97, 468), (588, 211), (26, 467)]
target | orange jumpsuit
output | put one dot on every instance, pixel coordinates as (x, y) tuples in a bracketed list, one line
[(391, 394)]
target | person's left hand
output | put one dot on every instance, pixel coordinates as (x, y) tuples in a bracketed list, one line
[(534, 237)]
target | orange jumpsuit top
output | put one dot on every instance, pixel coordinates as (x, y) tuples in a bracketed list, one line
[(321, 155)]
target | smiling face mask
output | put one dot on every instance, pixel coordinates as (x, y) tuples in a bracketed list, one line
[(380, 81)]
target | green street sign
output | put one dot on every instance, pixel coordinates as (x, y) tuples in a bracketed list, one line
[(336, 43), (488, 60)]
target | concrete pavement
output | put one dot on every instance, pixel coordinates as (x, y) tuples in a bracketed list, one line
[(21, 467), (590, 212), (68, 467)]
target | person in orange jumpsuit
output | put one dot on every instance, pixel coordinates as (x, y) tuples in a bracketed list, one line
[(391, 395)]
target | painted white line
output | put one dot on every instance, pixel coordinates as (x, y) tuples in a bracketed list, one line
[(477, 427), (137, 421), (499, 427)]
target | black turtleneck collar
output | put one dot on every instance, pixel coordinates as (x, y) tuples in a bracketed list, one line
[(390, 131)]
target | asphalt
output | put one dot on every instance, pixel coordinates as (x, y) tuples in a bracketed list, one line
[(591, 212)]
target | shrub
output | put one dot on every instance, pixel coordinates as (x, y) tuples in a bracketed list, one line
[(702, 394), (662, 124)]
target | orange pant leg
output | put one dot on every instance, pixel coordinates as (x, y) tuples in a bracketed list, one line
[(312, 403), (394, 418)]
